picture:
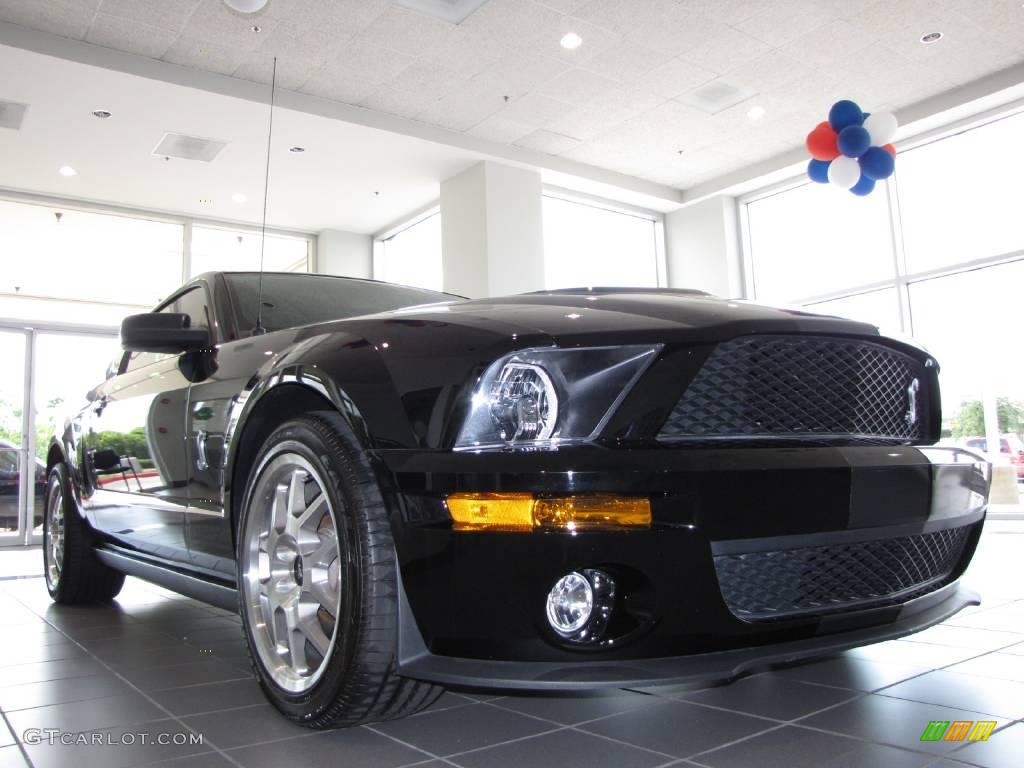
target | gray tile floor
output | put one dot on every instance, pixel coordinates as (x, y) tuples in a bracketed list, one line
[(156, 664)]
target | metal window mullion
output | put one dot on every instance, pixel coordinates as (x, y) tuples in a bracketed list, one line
[(899, 256), (186, 251), (28, 440)]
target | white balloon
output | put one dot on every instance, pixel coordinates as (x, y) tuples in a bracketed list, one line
[(881, 127), (246, 6), (844, 171)]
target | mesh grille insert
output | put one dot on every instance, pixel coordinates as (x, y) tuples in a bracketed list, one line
[(772, 584), (811, 389)]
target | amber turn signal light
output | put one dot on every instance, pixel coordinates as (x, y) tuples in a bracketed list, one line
[(527, 512)]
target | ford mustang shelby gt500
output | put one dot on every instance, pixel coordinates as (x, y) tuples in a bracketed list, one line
[(401, 490)]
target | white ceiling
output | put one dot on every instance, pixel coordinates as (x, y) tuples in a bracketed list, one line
[(330, 185), (619, 102)]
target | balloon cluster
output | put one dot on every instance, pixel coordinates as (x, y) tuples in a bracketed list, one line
[(851, 149)]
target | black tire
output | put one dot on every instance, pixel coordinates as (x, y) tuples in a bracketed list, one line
[(358, 680), (79, 576)]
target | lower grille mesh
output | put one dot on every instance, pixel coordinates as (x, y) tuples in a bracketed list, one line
[(772, 584)]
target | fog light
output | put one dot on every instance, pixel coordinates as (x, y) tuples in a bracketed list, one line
[(570, 603)]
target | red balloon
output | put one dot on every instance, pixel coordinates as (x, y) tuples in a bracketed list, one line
[(821, 143), (890, 149)]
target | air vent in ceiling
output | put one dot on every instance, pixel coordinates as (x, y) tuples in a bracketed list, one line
[(716, 96), (12, 114), (188, 147), (452, 11)]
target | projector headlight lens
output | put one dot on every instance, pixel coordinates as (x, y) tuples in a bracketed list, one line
[(550, 396), (570, 603)]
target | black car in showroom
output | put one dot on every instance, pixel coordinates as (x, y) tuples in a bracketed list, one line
[(401, 490)]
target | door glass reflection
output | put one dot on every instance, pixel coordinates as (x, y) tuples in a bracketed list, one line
[(67, 367), (12, 403)]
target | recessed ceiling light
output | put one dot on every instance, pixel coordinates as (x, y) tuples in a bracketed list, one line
[(296, 149), (239, 198), (101, 113), (756, 112), (572, 41), (67, 170), (931, 37)]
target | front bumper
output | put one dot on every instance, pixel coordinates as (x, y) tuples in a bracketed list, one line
[(914, 616), (473, 602)]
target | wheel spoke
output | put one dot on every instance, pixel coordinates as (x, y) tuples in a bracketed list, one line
[(309, 626)]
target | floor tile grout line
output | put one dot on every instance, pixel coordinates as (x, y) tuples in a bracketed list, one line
[(17, 741), (740, 740), (146, 696), (369, 727)]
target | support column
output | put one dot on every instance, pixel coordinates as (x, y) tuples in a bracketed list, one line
[(702, 247), (492, 231), (344, 253)]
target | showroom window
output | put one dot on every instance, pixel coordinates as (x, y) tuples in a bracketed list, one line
[(940, 261), (222, 249), (411, 254), (589, 245)]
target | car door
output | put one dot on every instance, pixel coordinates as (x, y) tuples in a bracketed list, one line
[(135, 445)]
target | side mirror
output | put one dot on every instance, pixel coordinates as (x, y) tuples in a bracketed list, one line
[(162, 332)]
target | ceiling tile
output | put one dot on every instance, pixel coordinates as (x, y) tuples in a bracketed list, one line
[(58, 18), (772, 70), (166, 14), (675, 77), (500, 129), (427, 78), (785, 21), (535, 109), (406, 31), (677, 31), (730, 12), (518, 72), (467, 52), (367, 63), (204, 54), (626, 61), (348, 90), (564, 6), (292, 42), (259, 68), (578, 86), (547, 142), (127, 35), (828, 44), (344, 17), (725, 51), (621, 16), (399, 102), (520, 21), (213, 21)]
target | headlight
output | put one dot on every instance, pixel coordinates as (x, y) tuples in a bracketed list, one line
[(550, 396)]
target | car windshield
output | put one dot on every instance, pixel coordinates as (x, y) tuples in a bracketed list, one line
[(291, 300)]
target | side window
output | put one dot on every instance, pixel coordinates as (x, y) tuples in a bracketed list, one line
[(192, 303)]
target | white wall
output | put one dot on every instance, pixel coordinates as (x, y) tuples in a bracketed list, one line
[(344, 253), (492, 231), (702, 247)]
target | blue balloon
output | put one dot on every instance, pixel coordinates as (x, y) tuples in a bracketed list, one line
[(877, 164), (844, 113), (863, 187), (818, 171), (853, 140)]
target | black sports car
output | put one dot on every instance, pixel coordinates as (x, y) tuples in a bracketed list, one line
[(401, 489)]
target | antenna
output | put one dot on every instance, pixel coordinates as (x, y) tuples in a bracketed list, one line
[(259, 330)]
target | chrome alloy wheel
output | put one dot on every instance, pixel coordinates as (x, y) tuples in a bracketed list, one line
[(53, 541), (291, 572)]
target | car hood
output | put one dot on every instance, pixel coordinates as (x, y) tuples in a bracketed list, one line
[(609, 315)]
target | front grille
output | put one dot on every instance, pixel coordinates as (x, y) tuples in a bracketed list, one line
[(814, 580), (803, 389)]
